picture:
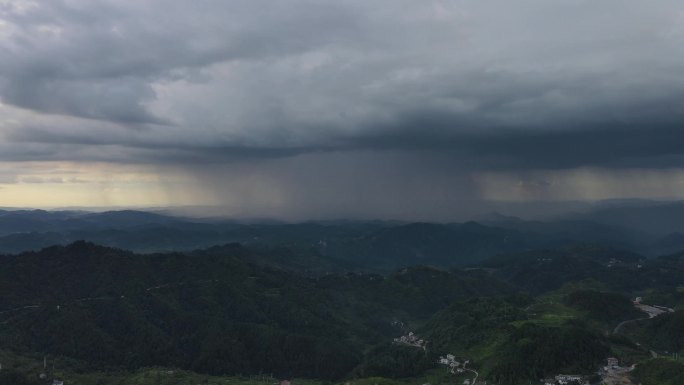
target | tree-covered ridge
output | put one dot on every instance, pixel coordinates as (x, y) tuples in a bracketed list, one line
[(540, 271), (660, 372), (664, 333), (213, 312), (603, 306), (534, 351), (231, 310), (471, 322)]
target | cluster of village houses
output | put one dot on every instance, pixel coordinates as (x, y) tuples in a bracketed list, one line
[(609, 372), (611, 369), (563, 379), (412, 340), (652, 310), (452, 365)]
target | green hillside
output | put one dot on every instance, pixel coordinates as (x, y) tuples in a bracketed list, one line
[(230, 312)]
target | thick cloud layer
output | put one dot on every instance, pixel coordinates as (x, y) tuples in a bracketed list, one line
[(471, 86)]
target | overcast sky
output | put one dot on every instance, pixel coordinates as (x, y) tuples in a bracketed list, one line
[(325, 109)]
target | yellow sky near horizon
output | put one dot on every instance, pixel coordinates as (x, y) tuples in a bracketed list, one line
[(66, 184), (83, 184)]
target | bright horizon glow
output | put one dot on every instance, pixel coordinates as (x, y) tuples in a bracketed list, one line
[(55, 185), (424, 110), (67, 184)]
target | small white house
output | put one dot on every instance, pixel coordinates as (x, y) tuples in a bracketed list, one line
[(567, 378)]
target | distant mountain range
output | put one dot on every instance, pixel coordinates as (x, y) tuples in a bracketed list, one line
[(650, 229)]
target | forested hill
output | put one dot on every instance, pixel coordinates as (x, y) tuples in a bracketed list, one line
[(232, 309), (539, 271), (212, 312)]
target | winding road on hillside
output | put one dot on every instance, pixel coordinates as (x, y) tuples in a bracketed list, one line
[(652, 311), (623, 323), (474, 381)]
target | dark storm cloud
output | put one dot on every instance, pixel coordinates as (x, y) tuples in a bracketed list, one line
[(486, 85), (98, 59)]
